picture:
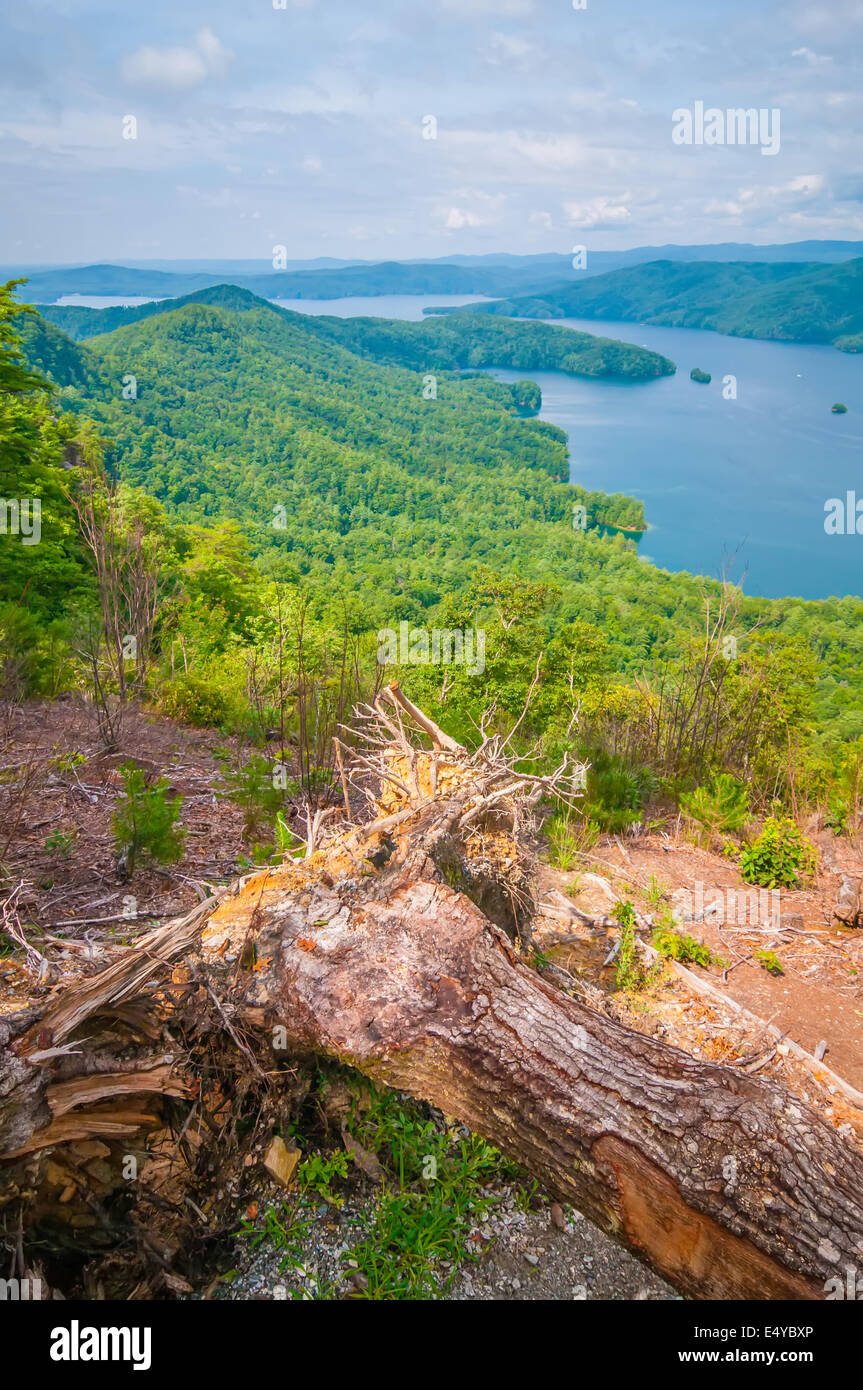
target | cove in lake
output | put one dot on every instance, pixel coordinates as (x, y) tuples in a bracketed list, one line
[(717, 476)]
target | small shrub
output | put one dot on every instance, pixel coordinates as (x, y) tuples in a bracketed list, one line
[(769, 961), (60, 843), (250, 787), (780, 857), (195, 701), (69, 761), (674, 945), (145, 822), (836, 817), (722, 808), (616, 793)]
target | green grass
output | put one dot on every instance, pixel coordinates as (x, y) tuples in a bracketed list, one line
[(409, 1240)]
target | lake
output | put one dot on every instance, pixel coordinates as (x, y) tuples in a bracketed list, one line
[(746, 477), (106, 301), (383, 306)]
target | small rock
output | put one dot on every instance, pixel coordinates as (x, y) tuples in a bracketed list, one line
[(280, 1161), (847, 909)]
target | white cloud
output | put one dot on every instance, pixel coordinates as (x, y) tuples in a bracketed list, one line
[(814, 60), (509, 46), (555, 153), (598, 212), (473, 209), (457, 218), (804, 188), (178, 67), (542, 219)]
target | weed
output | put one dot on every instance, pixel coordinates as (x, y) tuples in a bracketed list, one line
[(60, 843), (657, 890), (629, 971), (769, 961)]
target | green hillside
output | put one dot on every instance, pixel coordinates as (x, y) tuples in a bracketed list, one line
[(459, 342), (789, 302), (240, 413)]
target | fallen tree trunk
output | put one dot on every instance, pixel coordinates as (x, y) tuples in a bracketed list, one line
[(728, 1186), (373, 951)]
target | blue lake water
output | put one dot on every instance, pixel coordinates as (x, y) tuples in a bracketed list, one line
[(722, 477), (105, 301), (727, 484), (382, 306)]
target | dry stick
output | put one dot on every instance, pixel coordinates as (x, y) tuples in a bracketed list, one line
[(118, 917), (435, 733), (338, 747)]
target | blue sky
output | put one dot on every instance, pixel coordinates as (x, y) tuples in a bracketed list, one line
[(303, 126)]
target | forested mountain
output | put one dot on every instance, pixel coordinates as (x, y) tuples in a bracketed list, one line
[(344, 477), (790, 302), (240, 411)]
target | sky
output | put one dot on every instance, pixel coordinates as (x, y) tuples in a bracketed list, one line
[(387, 129)]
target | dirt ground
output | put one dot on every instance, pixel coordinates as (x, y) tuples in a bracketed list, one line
[(815, 1001)]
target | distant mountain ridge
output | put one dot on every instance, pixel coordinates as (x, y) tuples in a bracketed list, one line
[(788, 302), (498, 275)]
